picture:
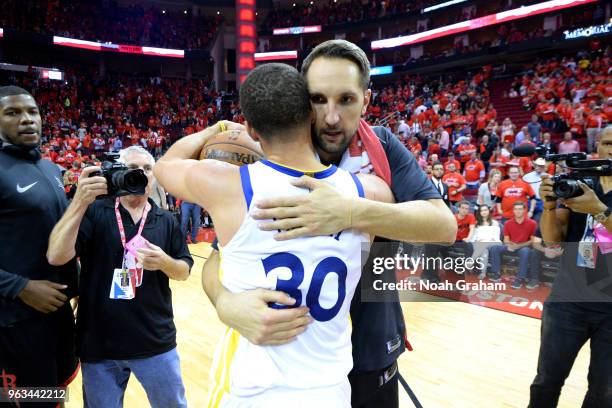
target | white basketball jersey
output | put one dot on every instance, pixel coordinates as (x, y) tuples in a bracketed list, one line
[(319, 272)]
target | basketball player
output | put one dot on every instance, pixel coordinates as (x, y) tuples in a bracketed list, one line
[(324, 270), (337, 73)]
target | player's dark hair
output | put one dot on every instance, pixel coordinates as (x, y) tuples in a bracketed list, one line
[(274, 98), (341, 49), (12, 90)]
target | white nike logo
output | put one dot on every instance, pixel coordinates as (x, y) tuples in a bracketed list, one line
[(22, 190)]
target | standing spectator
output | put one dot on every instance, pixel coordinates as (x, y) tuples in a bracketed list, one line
[(595, 122), (117, 144), (451, 159), (437, 172), (534, 179), (511, 191), (190, 211), (474, 172), (36, 320), (534, 128), (456, 184), (485, 234), (466, 149), (125, 316), (520, 136), (486, 149), (547, 144), (444, 139), (568, 145), (519, 235)]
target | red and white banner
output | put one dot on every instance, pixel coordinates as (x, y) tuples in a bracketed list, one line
[(492, 19), (275, 56), (128, 49)]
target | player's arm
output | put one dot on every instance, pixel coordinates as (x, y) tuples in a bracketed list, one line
[(196, 181), (325, 211), (248, 311)]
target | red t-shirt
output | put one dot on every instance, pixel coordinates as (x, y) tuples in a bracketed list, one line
[(511, 192), (466, 151), (472, 170), (463, 226), (519, 233), (450, 178)]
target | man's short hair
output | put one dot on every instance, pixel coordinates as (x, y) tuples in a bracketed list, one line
[(12, 90), (437, 164), (519, 204), (341, 49), (123, 153), (463, 202), (274, 98)]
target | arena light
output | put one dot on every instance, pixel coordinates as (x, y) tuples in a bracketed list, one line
[(442, 5), (126, 49), (297, 30), (585, 32), (1, 32), (275, 56), (492, 19), (382, 70)]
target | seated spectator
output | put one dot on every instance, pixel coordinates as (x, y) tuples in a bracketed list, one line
[(499, 162), (568, 145), (465, 223), (488, 191), (519, 236), (485, 234)]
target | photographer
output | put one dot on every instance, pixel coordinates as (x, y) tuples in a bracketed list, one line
[(580, 304), (129, 249)]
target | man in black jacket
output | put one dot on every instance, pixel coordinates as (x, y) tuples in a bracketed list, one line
[(36, 322)]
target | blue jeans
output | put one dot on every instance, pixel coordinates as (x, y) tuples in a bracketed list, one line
[(528, 261), (566, 327), (189, 210), (104, 382)]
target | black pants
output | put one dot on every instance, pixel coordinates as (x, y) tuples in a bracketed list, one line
[(366, 391), (566, 327), (38, 352)]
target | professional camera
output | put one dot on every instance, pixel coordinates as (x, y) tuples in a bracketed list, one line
[(121, 181), (566, 184)]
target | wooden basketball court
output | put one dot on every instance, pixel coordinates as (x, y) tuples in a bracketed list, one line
[(464, 355)]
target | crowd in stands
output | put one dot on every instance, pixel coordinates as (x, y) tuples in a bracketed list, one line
[(336, 12), (105, 21), (454, 132), (84, 117), (570, 93)]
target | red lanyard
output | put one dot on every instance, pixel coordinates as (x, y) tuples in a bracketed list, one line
[(143, 220)]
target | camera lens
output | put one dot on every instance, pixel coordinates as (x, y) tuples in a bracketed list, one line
[(567, 189), (132, 181)]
